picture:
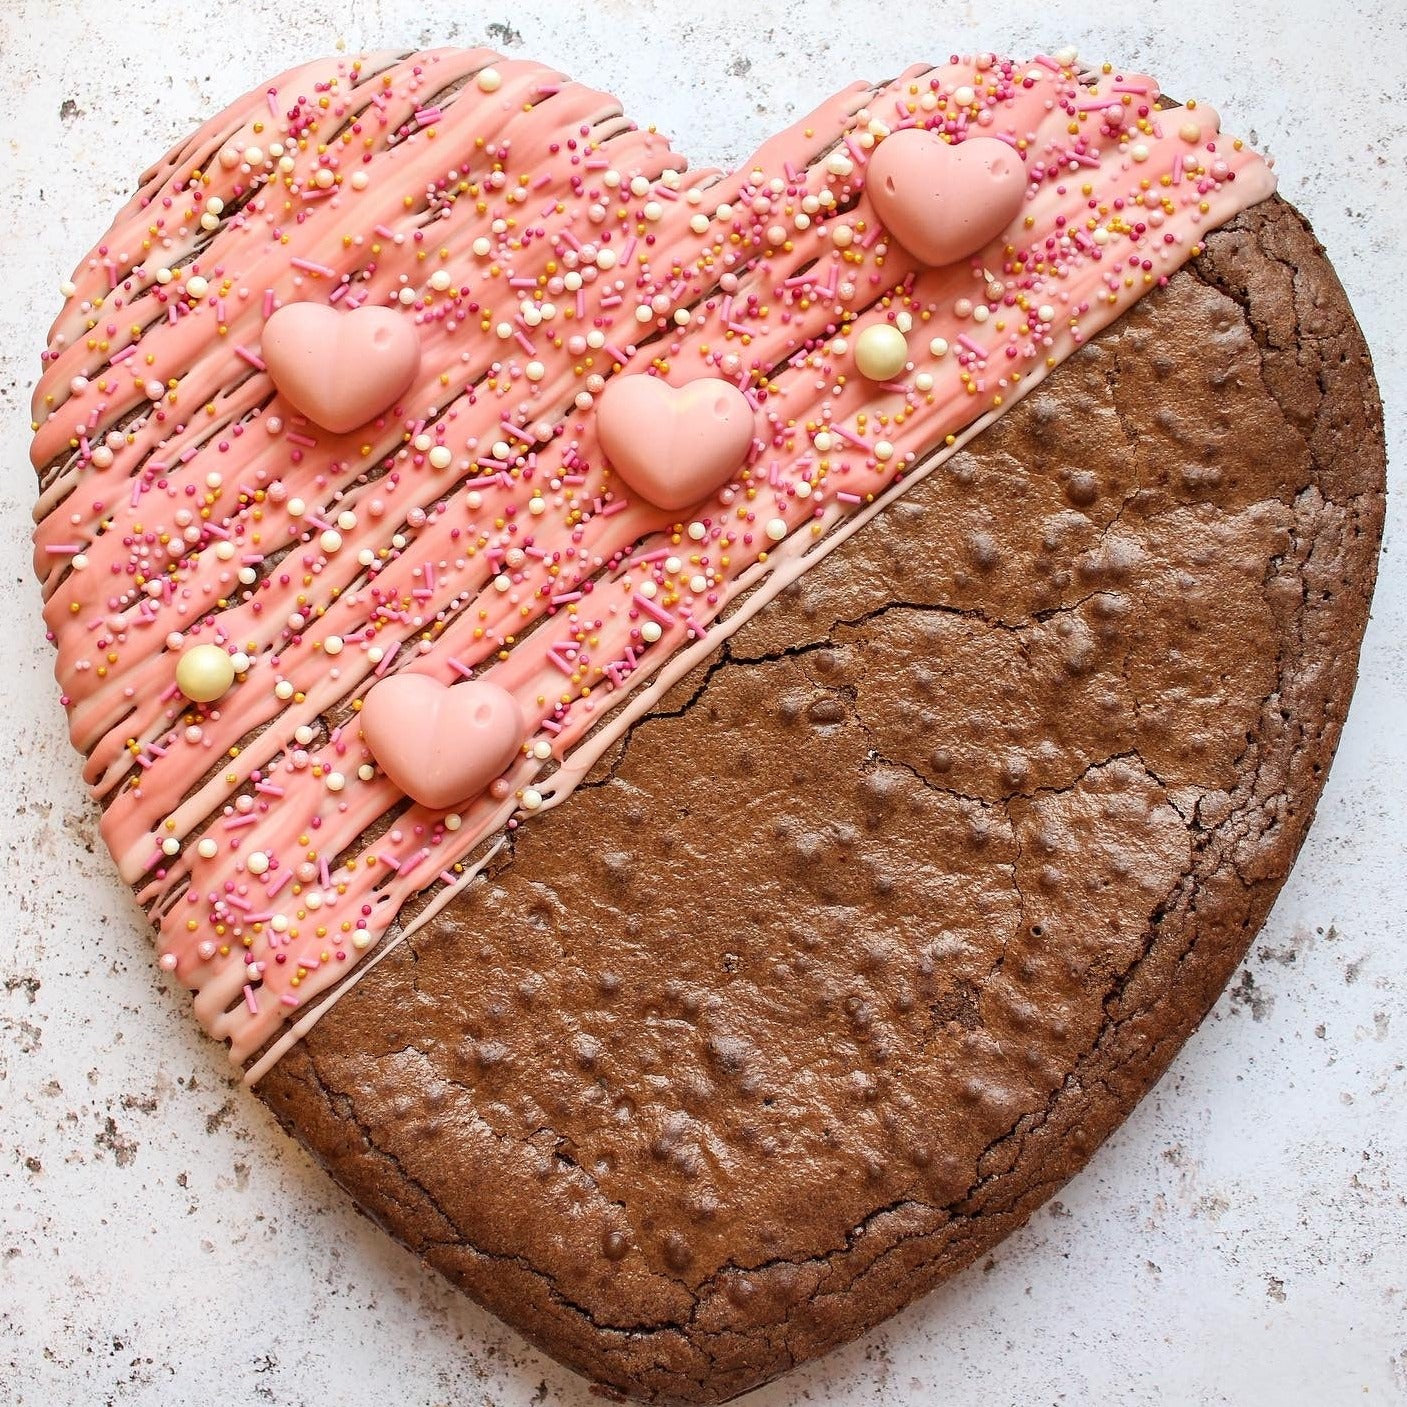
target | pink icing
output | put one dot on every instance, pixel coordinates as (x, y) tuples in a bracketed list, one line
[(674, 446), (441, 745), (539, 245), (340, 369), (944, 201)]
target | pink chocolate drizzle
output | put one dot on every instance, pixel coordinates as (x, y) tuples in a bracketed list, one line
[(539, 244)]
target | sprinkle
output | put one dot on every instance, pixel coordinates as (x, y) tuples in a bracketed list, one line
[(651, 609)]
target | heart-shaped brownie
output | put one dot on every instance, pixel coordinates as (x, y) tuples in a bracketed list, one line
[(775, 857)]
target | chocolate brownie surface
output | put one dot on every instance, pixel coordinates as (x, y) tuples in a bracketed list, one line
[(853, 952)]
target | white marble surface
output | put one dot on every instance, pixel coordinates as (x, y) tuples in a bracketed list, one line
[(1242, 1240)]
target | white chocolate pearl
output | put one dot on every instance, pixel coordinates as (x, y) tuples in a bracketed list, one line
[(197, 287), (335, 781), (532, 799), (440, 280), (170, 846), (883, 451), (332, 645), (207, 849), (204, 673), (331, 540), (939, 346), (651, 631), (441, 457), (776, 529), (490, 80), (257, 862), (881, 352)]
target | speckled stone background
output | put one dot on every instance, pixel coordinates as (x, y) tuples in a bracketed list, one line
[(1242, 1240)]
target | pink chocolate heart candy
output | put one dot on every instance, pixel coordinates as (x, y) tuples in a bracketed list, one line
[(340, 369), (942, 201), (674, 445), (440, 744)]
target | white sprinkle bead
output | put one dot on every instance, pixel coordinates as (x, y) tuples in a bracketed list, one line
[(257, 862), (490, 80), (776, 529)]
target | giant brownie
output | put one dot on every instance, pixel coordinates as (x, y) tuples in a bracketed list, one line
[(854, 950)]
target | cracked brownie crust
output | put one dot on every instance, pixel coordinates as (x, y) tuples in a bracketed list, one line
[(852, 953)]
